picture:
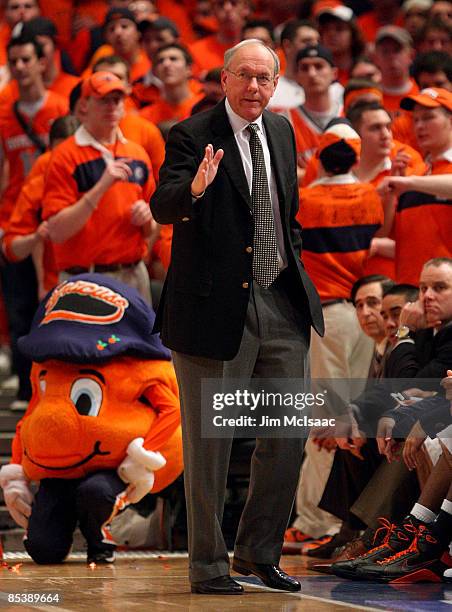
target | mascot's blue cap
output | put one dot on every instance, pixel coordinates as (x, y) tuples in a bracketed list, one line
[(92, 318)]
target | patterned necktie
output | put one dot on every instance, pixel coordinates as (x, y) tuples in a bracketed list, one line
[(265, 253)]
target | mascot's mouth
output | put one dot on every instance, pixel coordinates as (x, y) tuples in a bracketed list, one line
[(96, 451)]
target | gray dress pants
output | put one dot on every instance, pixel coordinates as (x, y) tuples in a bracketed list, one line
[(273, 346)]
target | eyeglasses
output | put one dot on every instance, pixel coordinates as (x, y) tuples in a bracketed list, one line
[(15, 7), (262, 79)]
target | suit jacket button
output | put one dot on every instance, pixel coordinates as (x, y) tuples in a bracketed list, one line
[(249, 249), (185, 218), (245, 285)]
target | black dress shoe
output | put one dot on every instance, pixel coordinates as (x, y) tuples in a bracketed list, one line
[(101, 557), (222, 585), (271, 575)]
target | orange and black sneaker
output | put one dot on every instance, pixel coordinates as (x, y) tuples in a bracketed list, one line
[(313, 544), (425, 560), (393, 539), (293, 541)]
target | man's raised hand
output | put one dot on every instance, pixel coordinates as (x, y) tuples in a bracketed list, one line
[(207, 171), (116, 170)]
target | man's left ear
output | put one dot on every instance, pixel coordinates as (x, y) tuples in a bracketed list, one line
[(223, 80)]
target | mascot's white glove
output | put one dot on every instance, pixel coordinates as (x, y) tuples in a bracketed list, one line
[(138, 469), (17, 493)]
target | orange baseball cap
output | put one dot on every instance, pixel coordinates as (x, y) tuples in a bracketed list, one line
[(432, 97), (101, 83)]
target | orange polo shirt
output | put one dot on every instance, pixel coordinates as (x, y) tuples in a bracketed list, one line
[(108, 237)]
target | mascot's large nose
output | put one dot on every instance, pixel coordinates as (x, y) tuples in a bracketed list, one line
[(53, 428)]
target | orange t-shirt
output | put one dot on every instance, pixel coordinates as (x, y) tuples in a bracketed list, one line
[(377, 264), (27, 216), (5, 35), (391, 101), (307, 133), (79, 50), (137, 70), (282, 60), (62, 85), (207, 53), (19, 150), (403, 130), (369, 25), (165, 111), (144, 94), (108, 237), (162, 246), (423, 228), (180, 12), (143, 132), (61, 13), (339, 222)]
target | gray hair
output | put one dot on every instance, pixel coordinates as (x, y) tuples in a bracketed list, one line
[(229, 54), (436, 262)]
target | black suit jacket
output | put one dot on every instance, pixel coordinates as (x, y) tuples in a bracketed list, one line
[(427, 359), (205, 298)]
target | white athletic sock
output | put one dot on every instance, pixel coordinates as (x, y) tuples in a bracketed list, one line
[(423, 514), (447, 506)]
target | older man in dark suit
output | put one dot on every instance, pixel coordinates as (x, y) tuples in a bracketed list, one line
[(237, 303)]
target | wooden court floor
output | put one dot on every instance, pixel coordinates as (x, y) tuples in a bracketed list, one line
[(143, 581)]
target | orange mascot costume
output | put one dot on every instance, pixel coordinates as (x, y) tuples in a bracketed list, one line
[(103, 426)]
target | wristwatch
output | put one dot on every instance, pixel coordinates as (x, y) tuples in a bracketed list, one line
[(403, 332)]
